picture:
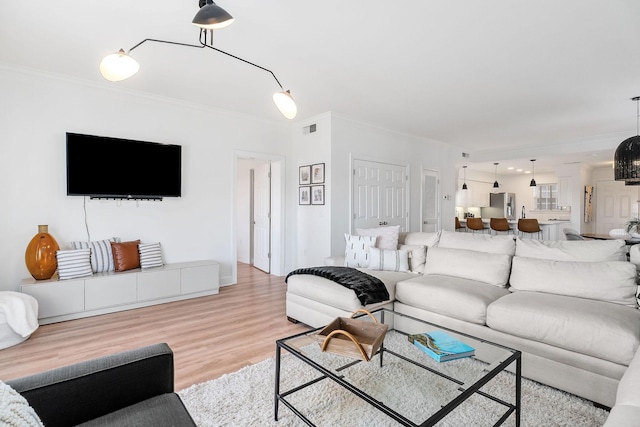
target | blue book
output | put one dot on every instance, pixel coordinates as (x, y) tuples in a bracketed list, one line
[(441, 346)]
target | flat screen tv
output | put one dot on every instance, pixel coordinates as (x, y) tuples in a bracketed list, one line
[(103, 167)]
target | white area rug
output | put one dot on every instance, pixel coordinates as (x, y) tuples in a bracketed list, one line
[(246, 397)]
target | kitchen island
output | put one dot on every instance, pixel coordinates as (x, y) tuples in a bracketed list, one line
[(551, 230)]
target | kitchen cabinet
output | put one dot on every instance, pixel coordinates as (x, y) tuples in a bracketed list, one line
[(564, 191), (476, 194)]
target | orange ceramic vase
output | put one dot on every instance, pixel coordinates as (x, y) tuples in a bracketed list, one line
[(40, 255)]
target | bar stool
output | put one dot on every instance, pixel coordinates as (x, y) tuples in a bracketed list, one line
[(475, 224), (530, 226), (500, 225), (459, 226)]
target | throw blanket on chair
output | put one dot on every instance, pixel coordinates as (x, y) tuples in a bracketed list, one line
[(368, 289)]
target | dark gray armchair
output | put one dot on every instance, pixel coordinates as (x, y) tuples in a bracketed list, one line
[(132, 388)]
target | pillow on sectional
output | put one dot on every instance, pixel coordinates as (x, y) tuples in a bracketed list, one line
[(611, 281), (382, 259), (15, 410), (387, 236), (126, 255), (482, 267), (150, 255), (417, 257), (101, 255), (421, 238), (478, 242), (74, 263), (572, 250), (356, 252)]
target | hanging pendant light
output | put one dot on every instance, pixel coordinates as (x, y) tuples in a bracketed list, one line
[(533, 174), (464, 180), (626, 161), (211, 16), (495, 183), (118, 66)]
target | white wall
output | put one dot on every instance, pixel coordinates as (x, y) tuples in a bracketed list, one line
[(38, 110)]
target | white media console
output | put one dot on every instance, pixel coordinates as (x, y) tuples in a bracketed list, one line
[(60, 300)]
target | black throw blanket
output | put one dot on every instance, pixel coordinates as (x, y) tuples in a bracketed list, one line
[(368, 289)]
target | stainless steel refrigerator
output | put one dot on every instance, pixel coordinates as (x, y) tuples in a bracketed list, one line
[(501, 205)]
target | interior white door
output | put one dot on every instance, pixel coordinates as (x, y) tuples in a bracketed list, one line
[(379, 196), (430, 201), (616, 203), (262, 217)]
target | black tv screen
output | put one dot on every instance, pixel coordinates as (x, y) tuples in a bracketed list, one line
[(106, 167)]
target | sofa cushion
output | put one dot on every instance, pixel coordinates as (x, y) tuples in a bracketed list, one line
[(595, 328), (417, 257), (612, 281), (572, 250), (163, 410), (450, 296), (335, 295), (387, 237), (478, 242), (356, 253), (383, 259), (483, 267), (419, 238)]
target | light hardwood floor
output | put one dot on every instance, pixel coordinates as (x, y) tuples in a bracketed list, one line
[(210, 336)]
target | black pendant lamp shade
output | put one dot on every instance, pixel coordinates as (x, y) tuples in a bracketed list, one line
[(626, 161), (533, 175), (211, 16), (495, 183), (464, 180)]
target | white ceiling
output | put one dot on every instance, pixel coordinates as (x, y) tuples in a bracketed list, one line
[(497, 78)]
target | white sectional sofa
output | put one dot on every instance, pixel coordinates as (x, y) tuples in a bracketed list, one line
[(569, 306)]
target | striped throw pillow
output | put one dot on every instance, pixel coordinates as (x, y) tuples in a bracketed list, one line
[(150, 255), (382, 259), (74, 263), (101, 254)]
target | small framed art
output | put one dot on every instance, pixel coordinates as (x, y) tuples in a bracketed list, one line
[(317, 194), (317, 173), (305, 175), (304, 195)]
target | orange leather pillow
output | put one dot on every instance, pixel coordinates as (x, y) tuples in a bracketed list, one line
[(126, 255)]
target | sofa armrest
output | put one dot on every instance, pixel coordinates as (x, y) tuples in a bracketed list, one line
[(334, 260), (81, 392)]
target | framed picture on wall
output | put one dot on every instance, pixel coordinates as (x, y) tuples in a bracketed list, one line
[(304, 196), (305, 175), (317, 173), (317, 194)]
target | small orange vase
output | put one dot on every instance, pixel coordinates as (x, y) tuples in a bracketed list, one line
[(40, 255)]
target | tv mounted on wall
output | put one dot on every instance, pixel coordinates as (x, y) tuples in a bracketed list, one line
[(103, 167)]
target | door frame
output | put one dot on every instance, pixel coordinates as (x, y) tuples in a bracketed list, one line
[(435, 173), (278, 206)]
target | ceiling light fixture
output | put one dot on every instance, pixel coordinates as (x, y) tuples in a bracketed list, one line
[(121, 66), (464, 180), (626, 161), (533, 174), (211, 16), (495, 183)]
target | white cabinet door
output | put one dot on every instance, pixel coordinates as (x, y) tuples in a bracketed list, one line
[(110, 290), (564, 191), (158, 284), (57, 298)]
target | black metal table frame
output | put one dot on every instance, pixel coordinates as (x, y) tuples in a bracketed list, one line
[(516, 356)]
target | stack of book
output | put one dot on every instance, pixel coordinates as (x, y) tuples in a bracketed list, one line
[(441, 346)]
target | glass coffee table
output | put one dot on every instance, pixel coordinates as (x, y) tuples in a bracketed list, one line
[(401, 384)]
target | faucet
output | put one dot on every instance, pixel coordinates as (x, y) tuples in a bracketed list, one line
[(523, 215)]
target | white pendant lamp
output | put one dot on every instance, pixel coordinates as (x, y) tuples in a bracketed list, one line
[(285, 103), (118, 66)]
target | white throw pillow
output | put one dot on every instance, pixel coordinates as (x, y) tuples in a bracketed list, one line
[(387, 236), (478, 242), (572, 250), (420, 238), (417, 257), (150, 255), (382, 259), (356, 253), (101, 254), (611, 281), (473, 265), (74, 263), (15, 410)]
